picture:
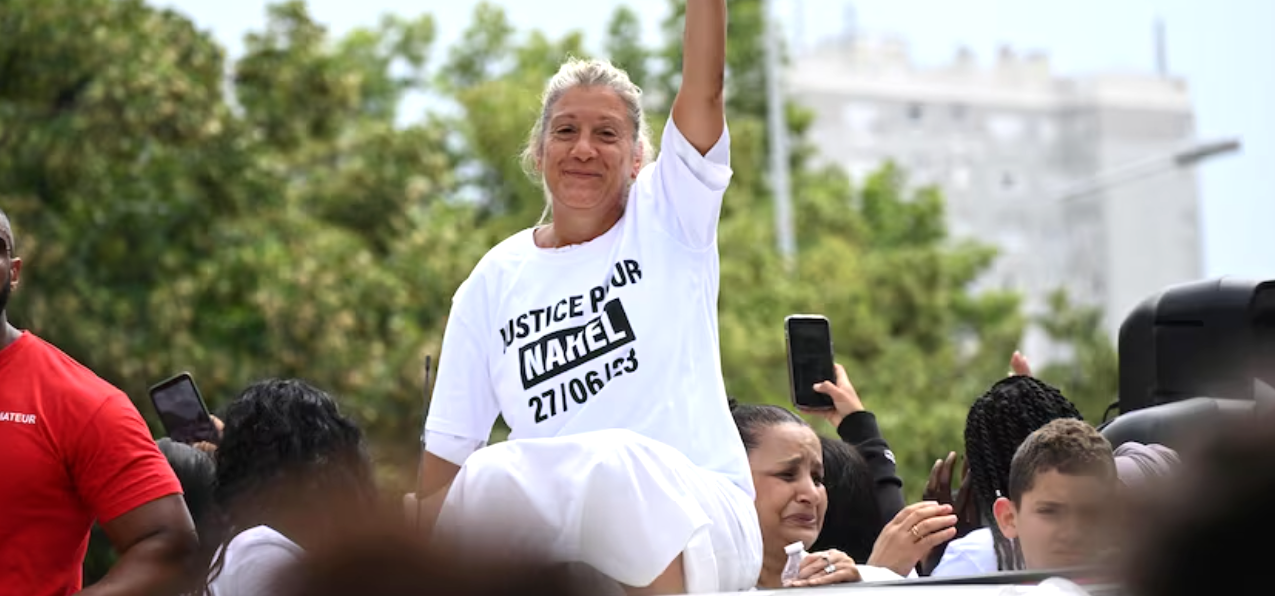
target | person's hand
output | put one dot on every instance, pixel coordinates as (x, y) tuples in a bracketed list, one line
[(1018, 365), (939, 487), (910, 536), (845, 400), (826, 567), (206, 446)]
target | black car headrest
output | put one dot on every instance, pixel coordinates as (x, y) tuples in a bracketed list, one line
[(1176, 424), (1214, 337)]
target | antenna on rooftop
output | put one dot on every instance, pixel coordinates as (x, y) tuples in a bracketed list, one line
[(1161, 52), (851, 22)]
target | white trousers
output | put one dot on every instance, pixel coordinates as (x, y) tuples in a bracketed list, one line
[(620, 502)]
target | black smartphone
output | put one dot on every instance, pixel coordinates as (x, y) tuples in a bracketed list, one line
[(182, 411), (809, 340)]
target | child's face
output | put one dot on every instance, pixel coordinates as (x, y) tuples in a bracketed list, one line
[(1062, 521)]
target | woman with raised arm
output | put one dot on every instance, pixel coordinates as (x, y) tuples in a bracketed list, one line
[(595, 336)]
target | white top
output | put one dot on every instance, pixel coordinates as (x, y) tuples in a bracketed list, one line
[(972, 554), (254, 560), (620, 502), (618, 332)]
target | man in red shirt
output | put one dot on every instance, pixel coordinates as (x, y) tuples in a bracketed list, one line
[(73, 449)]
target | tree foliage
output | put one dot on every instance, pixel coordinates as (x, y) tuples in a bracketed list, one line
[(284, 222), (1091, 375)]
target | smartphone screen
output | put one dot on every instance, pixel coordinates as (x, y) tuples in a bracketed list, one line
[(809, 359), (182, 411)]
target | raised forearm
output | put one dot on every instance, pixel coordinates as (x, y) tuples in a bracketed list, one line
[(698, 109)]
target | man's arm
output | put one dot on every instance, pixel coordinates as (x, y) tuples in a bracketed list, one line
[(157, 548), (699, 108)]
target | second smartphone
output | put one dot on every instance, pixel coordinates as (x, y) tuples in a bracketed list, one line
[(809, 339)]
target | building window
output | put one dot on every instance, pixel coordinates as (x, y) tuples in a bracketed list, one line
[(859, 117), (915, 112), (1005, 128), (959, 111), (1008, 181), (1047, 131)]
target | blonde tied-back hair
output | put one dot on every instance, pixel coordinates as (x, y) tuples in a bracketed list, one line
[(576, 72)]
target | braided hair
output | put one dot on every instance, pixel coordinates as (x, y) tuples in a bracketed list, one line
[(284, 442), (997, 424)]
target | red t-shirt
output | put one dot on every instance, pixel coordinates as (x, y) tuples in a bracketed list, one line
[(72, 449)]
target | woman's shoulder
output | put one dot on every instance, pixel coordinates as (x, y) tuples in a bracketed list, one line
[(253, 561), (262, 539), (972, 554), (980, 538), (518, 246), (508, 254), (492, 272)]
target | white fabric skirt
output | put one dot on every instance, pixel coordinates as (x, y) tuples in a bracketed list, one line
[(620, 502)]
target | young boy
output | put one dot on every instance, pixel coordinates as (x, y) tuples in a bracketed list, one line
[(1062, 488)]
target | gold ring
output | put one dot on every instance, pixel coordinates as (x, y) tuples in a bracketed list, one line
[(916, 532)]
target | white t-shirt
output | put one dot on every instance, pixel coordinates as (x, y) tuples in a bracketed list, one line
[(972, 554), (254, 560), (618, 332)]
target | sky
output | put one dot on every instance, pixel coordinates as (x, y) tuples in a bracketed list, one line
[(1223, 49)]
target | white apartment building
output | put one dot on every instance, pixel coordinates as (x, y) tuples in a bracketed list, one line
[(1004, 141)]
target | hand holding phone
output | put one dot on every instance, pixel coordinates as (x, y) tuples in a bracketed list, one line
[(845, 400), (182, 411), (809, 339)]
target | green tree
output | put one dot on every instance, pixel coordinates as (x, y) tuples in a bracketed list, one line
[(624, 45), (296, 231), (1090, 375)]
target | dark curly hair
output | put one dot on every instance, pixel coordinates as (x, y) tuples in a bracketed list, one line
[(997, 424), (284, 442)]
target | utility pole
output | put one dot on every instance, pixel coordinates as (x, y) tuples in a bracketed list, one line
[(778, 125)]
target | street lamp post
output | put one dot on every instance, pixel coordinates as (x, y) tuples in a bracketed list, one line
[(1183, 158), (1106, 180)]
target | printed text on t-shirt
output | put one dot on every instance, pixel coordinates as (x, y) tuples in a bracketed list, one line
[(17, 417), (580, 388), (565, 349), (626, 272)]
